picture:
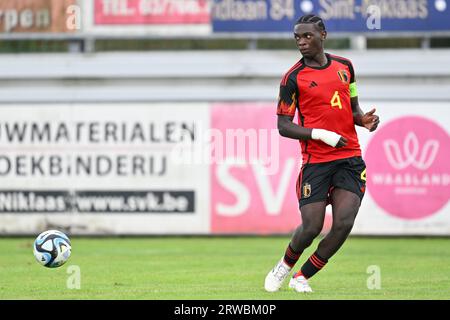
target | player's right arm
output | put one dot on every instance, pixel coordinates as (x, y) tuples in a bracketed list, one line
[(287, 104)]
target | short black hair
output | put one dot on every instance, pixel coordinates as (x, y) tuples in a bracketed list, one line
[(312, 18)]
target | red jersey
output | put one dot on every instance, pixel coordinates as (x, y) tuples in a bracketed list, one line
[(322, 97)]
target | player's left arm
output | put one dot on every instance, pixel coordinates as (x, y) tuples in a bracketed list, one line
[(367, 120)]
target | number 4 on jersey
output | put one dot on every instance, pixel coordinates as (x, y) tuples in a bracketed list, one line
[(336, 100)]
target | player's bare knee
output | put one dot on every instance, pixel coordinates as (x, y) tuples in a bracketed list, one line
[(312, 231), (343, 225)]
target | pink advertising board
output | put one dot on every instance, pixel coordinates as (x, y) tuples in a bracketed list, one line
[(408, 180), (151, 12), (256, 194), (408, 167)]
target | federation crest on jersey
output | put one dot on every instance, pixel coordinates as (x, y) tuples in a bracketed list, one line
[(343, 76), (306, 190)]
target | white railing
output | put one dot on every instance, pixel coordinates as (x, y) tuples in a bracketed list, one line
[(209, 76)]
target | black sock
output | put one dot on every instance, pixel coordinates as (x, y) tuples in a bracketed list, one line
[(313, 265), (290, 256)]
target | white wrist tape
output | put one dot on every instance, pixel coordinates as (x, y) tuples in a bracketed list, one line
[(329, 137)]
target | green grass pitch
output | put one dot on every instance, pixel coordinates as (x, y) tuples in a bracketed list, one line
[(173, 268)]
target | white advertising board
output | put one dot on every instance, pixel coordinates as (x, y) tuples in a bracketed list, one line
[(101, 169)]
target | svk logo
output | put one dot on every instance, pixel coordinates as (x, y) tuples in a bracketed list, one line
[(408, 167)]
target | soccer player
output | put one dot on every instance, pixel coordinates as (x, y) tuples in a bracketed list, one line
[(321, 87)]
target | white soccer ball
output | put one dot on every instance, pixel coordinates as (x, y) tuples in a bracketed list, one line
[(52, 248)]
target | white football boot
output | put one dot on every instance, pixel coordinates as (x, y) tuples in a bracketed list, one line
[(276, 276), (300, 284)]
